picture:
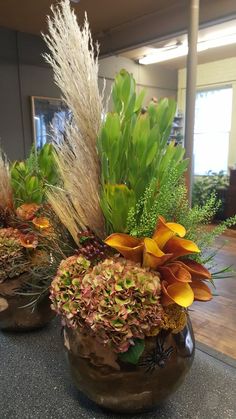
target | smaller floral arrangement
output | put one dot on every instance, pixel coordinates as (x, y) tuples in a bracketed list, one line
[(28, 233), (21, 240)]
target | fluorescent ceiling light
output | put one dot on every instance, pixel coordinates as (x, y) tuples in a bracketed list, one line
[(163, 54), (170, 53), (217, 42)]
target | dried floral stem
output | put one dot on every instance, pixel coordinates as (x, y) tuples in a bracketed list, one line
[(63, 207), (6, 199), (75, 67)]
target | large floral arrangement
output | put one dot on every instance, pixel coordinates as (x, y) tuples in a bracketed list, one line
[(141, 247)]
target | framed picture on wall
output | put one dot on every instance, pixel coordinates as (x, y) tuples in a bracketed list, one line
[(49, 118)]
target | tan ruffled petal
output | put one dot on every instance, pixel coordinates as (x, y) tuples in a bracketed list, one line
[(41, 222), (28, 241), (27, 212)]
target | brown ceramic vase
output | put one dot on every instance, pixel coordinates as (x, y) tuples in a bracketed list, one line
[(17, 318), (126, 388)]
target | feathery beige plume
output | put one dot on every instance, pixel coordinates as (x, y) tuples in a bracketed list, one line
[(6, 197), (75, 67), (65, 211)]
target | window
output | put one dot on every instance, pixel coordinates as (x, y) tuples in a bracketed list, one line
[(211, 130)]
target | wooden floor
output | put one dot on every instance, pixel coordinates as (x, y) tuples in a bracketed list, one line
[(214, 322)]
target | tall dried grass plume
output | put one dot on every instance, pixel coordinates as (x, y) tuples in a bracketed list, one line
[(6, 197), (75, 65)]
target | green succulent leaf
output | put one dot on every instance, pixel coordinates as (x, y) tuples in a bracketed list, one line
[(115, 202), (134, 148), (139, 101), (31, 178)]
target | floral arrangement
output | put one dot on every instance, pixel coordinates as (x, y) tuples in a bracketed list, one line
[(141, 247), (18, 243), (28, 231)]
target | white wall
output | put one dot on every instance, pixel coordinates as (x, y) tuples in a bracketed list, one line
[(156, 80), (215, 74)]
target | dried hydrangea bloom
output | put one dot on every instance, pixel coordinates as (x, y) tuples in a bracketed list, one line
[(13, 260), (10, 233), (117, 300), (72, 267), (64, 286)]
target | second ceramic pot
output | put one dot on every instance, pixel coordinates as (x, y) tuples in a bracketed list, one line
[(14, 316)]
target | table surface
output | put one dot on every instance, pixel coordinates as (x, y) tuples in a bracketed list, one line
[(35, 383)]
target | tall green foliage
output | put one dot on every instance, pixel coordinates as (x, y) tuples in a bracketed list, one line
[(133, 149), (30, 178)]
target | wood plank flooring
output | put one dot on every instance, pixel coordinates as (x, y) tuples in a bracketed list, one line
[(214, 322)]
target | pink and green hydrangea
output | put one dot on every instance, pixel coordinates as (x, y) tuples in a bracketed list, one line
[(117, 300)]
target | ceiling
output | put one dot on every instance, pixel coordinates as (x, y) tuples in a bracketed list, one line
[(209, 55), (117, 25), (30, 16)]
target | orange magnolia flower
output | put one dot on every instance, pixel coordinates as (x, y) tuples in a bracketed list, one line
[(27, 212), (41, 222), (28, 241), (181, 279)]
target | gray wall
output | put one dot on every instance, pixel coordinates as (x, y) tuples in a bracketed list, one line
[(23, 73), (157, 80)]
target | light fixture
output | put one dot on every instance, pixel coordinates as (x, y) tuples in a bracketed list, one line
[(164, 54), (217, 42), (181, 50)]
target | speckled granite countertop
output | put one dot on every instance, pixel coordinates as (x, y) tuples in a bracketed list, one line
[(35, 383)]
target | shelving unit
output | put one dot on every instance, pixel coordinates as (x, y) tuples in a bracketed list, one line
[(177, 129)]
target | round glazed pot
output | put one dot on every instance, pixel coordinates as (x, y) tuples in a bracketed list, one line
[(14, 317), (127, 388)]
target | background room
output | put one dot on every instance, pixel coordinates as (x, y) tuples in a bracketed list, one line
[(31, 108), (100, 168)]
